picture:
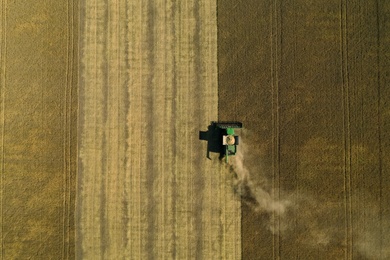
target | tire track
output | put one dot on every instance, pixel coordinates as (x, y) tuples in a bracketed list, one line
[(379, 122), (90, 152), (151, 168), (98, 195), (275, 64), (79, 204), (346, 130), (105, 91), (133, 236), (166, 77), (182, 209), (124, 31), (64, 143), (115, 128), (3, 51), (174, 194), (67, 135), (68, 153), (185, 206), (383, 24), (198, 84), (159, 89)]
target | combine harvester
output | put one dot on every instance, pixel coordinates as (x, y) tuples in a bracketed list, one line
[(221, 138)]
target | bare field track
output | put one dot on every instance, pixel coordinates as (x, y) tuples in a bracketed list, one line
[(148, 84), (38, 112), (313, 79)]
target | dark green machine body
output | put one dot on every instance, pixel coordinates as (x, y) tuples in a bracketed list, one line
[(229, 139)]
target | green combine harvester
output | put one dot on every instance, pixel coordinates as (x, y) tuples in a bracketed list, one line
[(221, 138)]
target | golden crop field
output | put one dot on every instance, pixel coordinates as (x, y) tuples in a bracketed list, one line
[(38, 93), (310, 82), (101, 104)]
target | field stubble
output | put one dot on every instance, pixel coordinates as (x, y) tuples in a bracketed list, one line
[(148, 85)]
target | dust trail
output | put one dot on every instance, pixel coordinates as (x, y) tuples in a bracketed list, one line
[(374, 241), (257, 194), (297, 215), (304, 218)]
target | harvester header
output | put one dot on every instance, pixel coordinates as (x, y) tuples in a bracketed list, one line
[(226, 125)]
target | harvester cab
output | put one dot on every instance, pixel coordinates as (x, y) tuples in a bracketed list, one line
[(221, 138)]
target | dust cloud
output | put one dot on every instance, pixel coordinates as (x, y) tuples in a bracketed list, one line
[(258, 194), (292, 216), (298, 216), (374, 242)]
